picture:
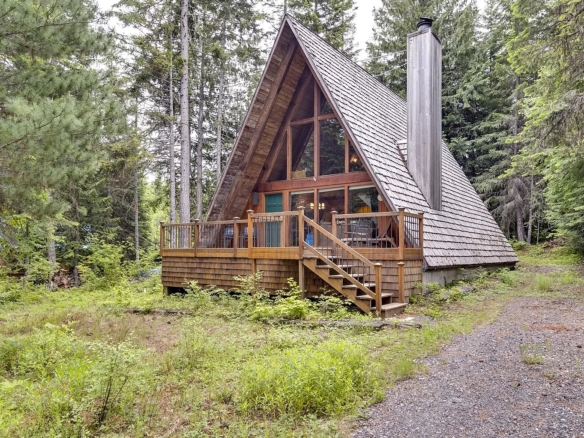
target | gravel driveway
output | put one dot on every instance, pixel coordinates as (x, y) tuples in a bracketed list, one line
[(480, 385)]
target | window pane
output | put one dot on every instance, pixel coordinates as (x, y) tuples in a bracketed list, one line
[(303, 199), (332, 147), (325, 108), (306, 104), (363, 199), (329, 201), (303, 151), (355, 164)]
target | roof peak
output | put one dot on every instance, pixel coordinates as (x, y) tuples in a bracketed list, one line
[(297, 22)]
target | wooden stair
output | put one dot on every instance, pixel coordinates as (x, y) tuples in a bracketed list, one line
[(339, 278), (347, 271)]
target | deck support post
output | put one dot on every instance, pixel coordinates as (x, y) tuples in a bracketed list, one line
[(235, 236), (197, 231), (300, 232), (334, 223), (301, 278), (421, 231), (161, 236), (402, 232), (250, 241), (378, 287), (400, 282)]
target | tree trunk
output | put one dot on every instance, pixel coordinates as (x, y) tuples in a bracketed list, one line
[(171, 144), (200, 130), (520, 231), (51, 250), (185, 161), (136, 195), (220, 107), (136, 220), (530, 224)]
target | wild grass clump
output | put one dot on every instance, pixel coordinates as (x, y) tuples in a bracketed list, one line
[(507, 277), (531, 354), (543, 283), (328, 379)]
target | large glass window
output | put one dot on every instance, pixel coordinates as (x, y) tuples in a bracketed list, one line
[(303, 199), (303, 151), (332, 147), (325, 107), (355, 164), (330, 200), (363, 199)]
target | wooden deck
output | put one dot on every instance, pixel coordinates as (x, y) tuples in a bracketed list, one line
[(373, 259)]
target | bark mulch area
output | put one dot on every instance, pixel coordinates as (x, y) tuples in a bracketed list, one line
[(521, 376)]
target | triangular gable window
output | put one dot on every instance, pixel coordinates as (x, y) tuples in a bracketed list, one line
[(313, 145)]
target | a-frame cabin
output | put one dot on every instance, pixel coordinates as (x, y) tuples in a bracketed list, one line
[(319, 188)]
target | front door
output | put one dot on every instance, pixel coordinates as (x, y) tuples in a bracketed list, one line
[(273, 205)]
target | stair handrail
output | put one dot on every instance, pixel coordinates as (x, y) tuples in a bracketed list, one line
[(375, 266), (339, 242)]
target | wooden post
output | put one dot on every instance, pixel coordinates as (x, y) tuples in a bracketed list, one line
[(378, 287), (283, 227), (235, 236), (301, 278), (334, 223), (197, 232), (300, 232), (161, 236), (421, 232), (250, 240), (402, 232), (401, 282)]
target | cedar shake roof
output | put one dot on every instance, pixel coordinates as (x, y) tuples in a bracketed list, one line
[(462, 234)]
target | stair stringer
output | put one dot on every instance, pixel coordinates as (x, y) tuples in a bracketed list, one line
[(337, 283)]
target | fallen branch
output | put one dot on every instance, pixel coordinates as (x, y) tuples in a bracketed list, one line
[(159, 311), (377, 325)]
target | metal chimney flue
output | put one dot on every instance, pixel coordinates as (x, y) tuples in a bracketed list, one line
[(424, 150), (425, 23)]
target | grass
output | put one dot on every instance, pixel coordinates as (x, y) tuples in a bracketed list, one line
[(531, 354), (75, 363)]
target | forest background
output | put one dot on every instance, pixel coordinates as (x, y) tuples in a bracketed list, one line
[(96, 145)]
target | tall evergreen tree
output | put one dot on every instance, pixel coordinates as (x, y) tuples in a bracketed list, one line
[(456, 25), (551, 43), (55, 104)]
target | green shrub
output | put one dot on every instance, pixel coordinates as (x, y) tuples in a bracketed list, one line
[(10, 291), (65, 386), (289, 304), (323, 380), (507, 277), (518, 245), (103, 267), (543, 283), (251, 284)]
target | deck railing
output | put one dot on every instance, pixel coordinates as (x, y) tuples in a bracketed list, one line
[(269, 231)]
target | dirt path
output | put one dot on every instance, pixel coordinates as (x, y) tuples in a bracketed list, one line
[(481, 386)]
